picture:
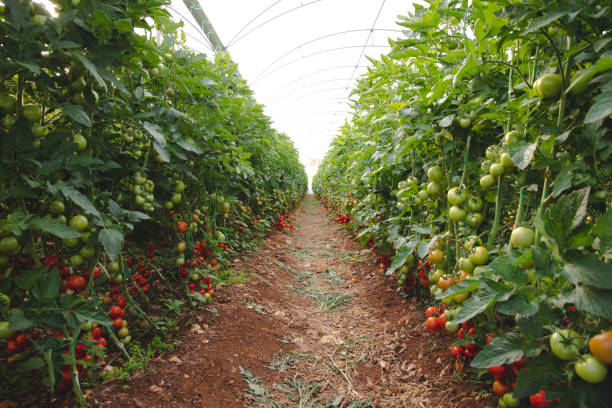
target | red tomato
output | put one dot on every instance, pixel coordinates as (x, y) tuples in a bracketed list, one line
[(498, 372), (114, 312), (456, 351), (499, 388), (432, 323), (539, 400), (182, 226), (96, 332), (431, 310), (76, 283), (118, 323)]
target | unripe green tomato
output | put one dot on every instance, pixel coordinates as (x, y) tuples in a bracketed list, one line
[(456, 213), (506, 160), (522, 237), (80, 141), (487, 181), (76, 260), (87, 252), (466, 265), (474, 203), (496, 170), (176, 198), (179, 187), (32, 112), (433, 189), (79, 222), (435, 173), (451, 327), (70, 242), (85, 237), (548, 86), (113, 267), (474, 220), (9, 245), (465, 123), (8, 104), (490, 153), (168, 205), (57, 207), (511, 137), (61, 219)]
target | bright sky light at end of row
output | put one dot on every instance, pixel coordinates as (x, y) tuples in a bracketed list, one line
[(303, 80)]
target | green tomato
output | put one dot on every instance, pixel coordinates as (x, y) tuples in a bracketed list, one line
[(474, 220), (456, 195), (433, 189), (474, 203), (465, 123), (37, 131), (466, 265), (506, 160), (80, 141), (8, 104), (450, 326), (456, 213), (590, 369), (487, 181), (8, 121), (5, 332), (496, 169), (176, 198), (435, 173), (179, 187), (479, 255), (9, 245), (422, 195), (87, 252), (548, 86), (168, 205), (114, 267), (76, 260), (139, 200), (511, 137), (79, 222), (490, 153), (57, 207), (522, 237), (32, 112), (510, 401), (566, 344), (70, 242)]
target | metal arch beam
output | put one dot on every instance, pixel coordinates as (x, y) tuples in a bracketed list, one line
[(319, 91), (322, 38), (303, 86), (200, 17), (318, 53)]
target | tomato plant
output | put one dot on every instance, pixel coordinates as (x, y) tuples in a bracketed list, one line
[(516, 115), (111, 140)]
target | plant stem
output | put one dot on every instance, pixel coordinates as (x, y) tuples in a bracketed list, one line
[(498, 205)]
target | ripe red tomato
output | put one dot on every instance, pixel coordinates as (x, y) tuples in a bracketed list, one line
[(114, 312), (96, 332), (182, 226), (432, 323), (498, 372), (456, 351), (539, 400), (601, 346), (117, 323), (76, 283), (121, 301), (13, 347), (431, 310)]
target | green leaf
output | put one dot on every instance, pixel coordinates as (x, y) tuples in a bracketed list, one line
[(595, 301), (55, 227), (403, 252), (503, 266), (530, 326), (447, 121), (563, 181), (190, 147), (32, 363), (79, 199), (561, 218), (504, 349), (465, 286), (522, 152), (76, 113), (29, 278), (586, 268), (30, 66), (17, 321), (545, 20), (91, 68), (603, 229), (517, 304), (112, 240), (538, 375), (601, 109), (476, 304), (51, 285)]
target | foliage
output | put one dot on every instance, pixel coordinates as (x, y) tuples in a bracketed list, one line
[(130, 165), (507, 102)]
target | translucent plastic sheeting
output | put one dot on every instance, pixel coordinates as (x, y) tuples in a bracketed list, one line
[(300, 57)]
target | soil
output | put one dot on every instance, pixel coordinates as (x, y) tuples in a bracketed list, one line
[(316, 327)]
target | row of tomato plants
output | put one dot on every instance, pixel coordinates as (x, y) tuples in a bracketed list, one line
[(131, 170), (479, 172)]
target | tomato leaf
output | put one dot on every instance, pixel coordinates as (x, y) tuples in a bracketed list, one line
[(601, 109), (465, 286), (79, 199), (603, 229), (561, 218), (112, 241), (29, 278), (32, 363), (447, 120), (538, 374), (503, 349), (517, 304), (17, 321), (545, 20), (530, 325), (76, 113), (91, 68), (521, 153), (55, 227), (402, 253), (477, 303), (586, 268), (595, 301), (49, 288), (503, 266)]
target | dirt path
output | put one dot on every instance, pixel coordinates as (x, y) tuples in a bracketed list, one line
[(317, 327)]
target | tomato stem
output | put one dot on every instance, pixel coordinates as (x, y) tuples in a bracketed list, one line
[(498, 205)]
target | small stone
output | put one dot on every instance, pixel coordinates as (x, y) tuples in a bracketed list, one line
[(439, 360), (185, 375), (175, 360), (107, 368), (156, 389), (139, 404)]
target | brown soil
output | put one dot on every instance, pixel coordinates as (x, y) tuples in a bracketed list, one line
[(316, 320)]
